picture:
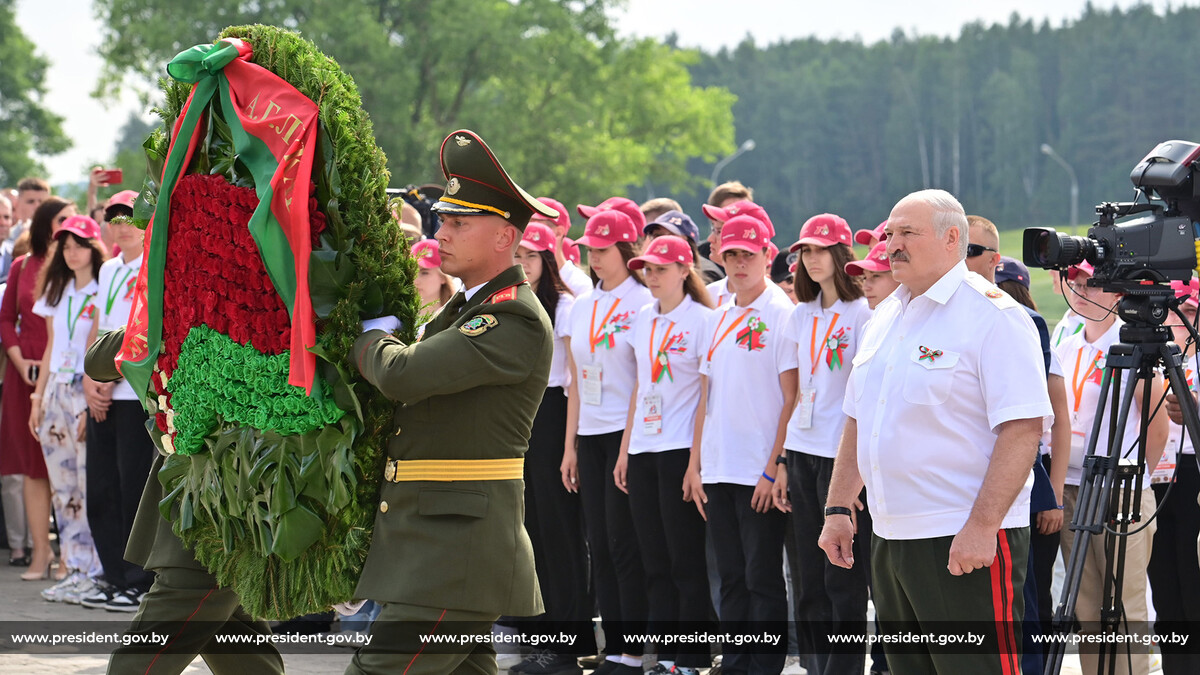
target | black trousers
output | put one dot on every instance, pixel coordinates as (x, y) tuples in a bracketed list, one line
[(1174, 572), (826, 595), (617, 574), (671, 536), (119, 455), (554, 520), (749, 547)]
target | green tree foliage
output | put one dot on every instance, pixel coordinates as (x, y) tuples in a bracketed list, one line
[(25, 126), (573, 111), (850, 128)]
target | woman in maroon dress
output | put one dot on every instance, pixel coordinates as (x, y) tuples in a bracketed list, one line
[(23, 334)]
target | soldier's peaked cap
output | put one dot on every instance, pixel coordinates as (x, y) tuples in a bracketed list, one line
[(477, 184)]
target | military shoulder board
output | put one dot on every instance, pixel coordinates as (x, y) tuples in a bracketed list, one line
[(504, 295)]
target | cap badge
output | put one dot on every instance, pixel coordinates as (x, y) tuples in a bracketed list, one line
[(931, 354), (824, 230), (994, 293), (751, 235), (453, 186), (733, 210), (664, 249), (462, 141), (602, 230), (882, 255), (675, 220), (535, 236)]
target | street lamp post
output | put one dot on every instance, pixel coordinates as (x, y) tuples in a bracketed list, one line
[(746, 146), (1049, 152)]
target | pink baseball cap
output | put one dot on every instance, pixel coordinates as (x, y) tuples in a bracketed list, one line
[(744, 232), (563, 220), (744, 207), (81, 226), (538, 237), (427, 254), (570, 250), (606, 228), (1085, 267), (619, 204), (1190, 289), (870, 237), (124, 198), (664, 250), (823, 230), (772, 249), (876, 261)]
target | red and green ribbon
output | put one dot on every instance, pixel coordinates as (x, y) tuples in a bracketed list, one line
[(750, 337), (274, 130)]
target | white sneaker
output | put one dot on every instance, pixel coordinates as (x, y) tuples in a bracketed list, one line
[(55, 592), (74, 594)]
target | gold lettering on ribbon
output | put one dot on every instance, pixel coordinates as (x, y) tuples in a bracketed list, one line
[(295, 124), (250, 108)]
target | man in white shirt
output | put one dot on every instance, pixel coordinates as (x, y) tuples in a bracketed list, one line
[(946, 404), (31, 192)]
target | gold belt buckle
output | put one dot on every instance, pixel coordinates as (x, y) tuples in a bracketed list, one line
[(389, 471)]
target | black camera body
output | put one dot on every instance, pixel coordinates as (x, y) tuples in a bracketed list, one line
[(1143, 253)]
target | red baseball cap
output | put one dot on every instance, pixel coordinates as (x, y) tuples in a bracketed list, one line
[(772, 249), (620, 204), (823, 230), (1085, 267), (563, 220), (664, 250), (744, 207), (1190, 289), (538, 237), (606, 228), (870, 237), (876, 261), (81, 226), (124, 198), (427, 254), (570, 250), (744, 232)]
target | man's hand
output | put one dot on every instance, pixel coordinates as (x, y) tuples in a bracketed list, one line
[(973, 548), (779, 491), (693, 491), (1049, 522), (98, 396), (1174, 411), (837, 540), (761, 501)]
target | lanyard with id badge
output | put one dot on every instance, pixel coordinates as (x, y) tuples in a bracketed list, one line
[(808, 394), (70, 356), (592, 375), (660, 365)]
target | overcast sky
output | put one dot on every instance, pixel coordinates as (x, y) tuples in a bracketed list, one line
[(67, 33)]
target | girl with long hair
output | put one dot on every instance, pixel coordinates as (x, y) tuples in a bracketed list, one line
[(600, 356), (66, 293), (668, 339), (24, 338), (825, 327)]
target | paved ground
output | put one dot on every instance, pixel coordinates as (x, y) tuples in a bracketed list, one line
[(20, 602)]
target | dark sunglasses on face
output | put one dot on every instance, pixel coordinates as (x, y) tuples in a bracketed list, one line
[(974, 250)]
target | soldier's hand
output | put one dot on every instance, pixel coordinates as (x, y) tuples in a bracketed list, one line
[(837, 540), (570, 469), (1174, 411), (693, 491), (619, 472)]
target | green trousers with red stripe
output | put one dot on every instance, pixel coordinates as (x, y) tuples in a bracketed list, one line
[(915, 595)]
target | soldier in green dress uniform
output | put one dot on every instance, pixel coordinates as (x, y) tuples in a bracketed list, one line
[(450, 553)]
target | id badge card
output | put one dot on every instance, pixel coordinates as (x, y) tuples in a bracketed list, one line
[(652, 412), (590, 381), (66, 366), (1165, 471), (804, 407)]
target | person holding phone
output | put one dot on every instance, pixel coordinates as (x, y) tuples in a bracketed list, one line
[(23, 334)]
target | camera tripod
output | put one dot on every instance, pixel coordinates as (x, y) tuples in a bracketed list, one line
[(1110, 488)]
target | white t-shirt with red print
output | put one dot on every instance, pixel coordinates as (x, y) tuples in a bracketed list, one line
[(113, 303), (71, 320)]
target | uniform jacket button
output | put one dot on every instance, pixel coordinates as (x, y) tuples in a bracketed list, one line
[(383, 507)]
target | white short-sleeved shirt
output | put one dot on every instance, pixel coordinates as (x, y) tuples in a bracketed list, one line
[(71, 320), (1070, 324), (748, 349), (114, 299), (826, 342), (1176, 433), (575, 278), (721, 295), (1055, 369), (559, 377), (600, 328), (934, 376), (668, 348)]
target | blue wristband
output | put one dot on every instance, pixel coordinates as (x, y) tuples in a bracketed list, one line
[(768, 477)]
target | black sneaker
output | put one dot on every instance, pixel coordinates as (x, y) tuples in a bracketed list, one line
[(546, 662), (100, 597), (125, 600)]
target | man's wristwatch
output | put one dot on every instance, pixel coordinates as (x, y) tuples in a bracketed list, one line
[(782, 459), (838, 511)]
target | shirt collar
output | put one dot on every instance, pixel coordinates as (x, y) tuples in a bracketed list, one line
[(621, 290), (134, 264), (473, 290), (90, 289), (680, 309), (942, 289)]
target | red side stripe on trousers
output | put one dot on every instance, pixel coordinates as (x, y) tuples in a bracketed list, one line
[(431, 632), (181, 629), (1002, 607)]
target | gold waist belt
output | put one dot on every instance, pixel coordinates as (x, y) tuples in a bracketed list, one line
[(399, 471)]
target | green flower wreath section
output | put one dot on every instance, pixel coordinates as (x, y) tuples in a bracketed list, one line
[(219, 379)]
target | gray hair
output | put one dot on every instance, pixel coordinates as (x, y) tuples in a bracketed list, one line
[(947, 212), (5, 200)]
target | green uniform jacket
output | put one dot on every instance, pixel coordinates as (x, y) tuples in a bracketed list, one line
[(461, 544), (151, 544)]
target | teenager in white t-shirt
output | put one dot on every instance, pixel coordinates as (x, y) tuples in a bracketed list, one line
[(552, 514), (603, 370), (669, 340), (1174, 569), (66, 293), (575, 279), (1082, 355), (825, 327), (748, 389), (119, 451)]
